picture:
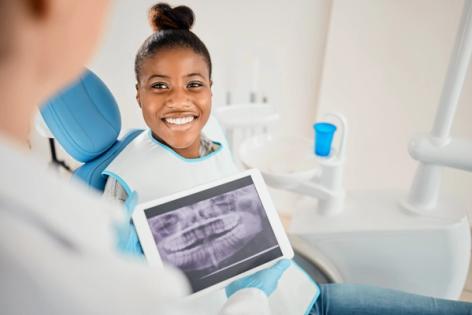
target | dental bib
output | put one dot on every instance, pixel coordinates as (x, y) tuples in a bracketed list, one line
[(154, 170)]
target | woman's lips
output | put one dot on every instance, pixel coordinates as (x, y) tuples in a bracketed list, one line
[(179, 123)]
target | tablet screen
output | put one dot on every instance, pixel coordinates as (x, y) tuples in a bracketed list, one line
[(214, 234)]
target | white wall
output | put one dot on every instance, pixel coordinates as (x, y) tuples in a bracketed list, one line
[(384, 69)]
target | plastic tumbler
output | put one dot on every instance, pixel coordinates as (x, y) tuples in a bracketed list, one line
[(324, 133)]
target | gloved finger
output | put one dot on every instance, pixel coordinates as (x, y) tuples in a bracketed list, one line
[(275, 271), (280, 266)]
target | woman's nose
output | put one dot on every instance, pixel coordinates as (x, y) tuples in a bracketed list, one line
[(178, 98)]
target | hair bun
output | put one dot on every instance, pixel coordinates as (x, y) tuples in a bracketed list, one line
[(163, 17)]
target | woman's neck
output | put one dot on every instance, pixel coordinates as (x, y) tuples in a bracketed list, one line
[(190, 152)]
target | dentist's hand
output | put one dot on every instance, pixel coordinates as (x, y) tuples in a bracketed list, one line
[(265, 280), (128, 241)]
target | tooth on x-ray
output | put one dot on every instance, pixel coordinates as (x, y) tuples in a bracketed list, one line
[(204, 234)]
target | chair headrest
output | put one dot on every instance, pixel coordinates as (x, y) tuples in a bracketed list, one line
[(84, 118)]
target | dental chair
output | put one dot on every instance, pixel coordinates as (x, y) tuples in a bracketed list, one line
[(85, 120)]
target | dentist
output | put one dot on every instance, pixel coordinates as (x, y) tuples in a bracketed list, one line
[(57, 240)]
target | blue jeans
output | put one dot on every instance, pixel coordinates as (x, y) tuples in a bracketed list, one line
[(343, 299)]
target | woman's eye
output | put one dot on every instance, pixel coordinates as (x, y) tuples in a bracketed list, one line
[(194, 84), (159, 85)]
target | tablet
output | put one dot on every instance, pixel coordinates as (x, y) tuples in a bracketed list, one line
[(215, 233)]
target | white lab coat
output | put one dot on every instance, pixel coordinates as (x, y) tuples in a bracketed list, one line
[(57, 253)]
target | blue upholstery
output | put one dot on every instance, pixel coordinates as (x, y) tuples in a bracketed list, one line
[(85, 119), (91, 172)]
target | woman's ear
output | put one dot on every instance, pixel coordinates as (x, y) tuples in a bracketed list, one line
[(137, 95)]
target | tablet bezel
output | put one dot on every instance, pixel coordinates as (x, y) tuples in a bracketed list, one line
[(150, 249)]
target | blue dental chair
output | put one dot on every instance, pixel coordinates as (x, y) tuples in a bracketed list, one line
[(84, 118)]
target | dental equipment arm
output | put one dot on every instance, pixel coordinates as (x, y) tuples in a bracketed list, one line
[(438, 149), (457, 153)]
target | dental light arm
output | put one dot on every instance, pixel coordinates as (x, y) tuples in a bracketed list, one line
[(457, 153), (438, 150)]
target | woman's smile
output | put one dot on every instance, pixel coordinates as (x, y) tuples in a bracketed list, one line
[(180, 121)]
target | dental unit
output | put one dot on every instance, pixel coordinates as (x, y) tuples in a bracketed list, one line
[(412, 241)]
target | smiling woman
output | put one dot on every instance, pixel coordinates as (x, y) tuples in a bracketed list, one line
[(173, 73), (173, 89), (175, 97)]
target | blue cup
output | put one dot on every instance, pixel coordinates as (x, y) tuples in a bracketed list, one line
[(324, 133)]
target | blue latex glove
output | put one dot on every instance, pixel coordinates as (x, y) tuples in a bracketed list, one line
[(128, 241), (265, 280)]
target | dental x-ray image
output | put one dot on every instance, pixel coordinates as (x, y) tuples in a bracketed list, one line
[(216, 237)]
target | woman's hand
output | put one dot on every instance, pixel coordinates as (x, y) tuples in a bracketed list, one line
[(265, 280)]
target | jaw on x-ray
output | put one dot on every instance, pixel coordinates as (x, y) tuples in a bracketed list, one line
[(202, 235)]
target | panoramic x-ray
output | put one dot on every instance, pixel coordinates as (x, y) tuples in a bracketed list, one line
[(214, 234)]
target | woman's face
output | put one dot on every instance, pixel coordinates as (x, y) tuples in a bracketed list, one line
[(174, 93)]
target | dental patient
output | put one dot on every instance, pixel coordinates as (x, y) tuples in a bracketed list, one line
[(173, 90)]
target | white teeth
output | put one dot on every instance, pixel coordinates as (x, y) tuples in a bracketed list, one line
[(179, 120), (201, 231)]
